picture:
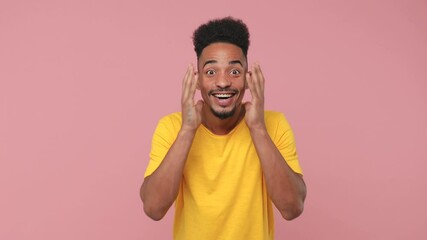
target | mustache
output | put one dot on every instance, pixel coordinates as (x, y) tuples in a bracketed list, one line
[(233, 90)]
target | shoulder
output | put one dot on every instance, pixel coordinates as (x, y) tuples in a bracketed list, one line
[(273, 116), (171, 121), (172, 117), (275, 120)]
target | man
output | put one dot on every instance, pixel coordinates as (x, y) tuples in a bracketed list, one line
[(220, 160)]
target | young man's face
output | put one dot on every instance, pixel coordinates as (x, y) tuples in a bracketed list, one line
[(222, 78)]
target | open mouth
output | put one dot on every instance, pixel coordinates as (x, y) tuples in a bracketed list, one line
[(223, 98), (223, 95)]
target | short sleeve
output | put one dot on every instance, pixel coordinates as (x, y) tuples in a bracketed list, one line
[(285, 142), (163, 138)]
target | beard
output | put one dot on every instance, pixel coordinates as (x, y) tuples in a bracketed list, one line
[(223, 114)]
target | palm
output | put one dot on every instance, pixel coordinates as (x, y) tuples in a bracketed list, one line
[(254, 116), (191, 111)]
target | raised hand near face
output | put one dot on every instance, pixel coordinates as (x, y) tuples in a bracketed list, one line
[(254, 116), (191, 111)]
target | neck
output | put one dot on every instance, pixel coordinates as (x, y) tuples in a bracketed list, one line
[(222, 126)]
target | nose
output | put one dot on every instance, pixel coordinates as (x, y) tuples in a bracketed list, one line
[(223, 81)]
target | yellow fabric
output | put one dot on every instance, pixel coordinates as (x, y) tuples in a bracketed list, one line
[(223, 195)]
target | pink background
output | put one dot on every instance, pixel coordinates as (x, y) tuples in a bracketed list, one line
[(83, 84)]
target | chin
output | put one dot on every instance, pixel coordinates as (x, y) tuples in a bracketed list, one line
[(224, 114)]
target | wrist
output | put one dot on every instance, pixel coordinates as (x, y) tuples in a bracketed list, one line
[(258, 129), (187, 132)]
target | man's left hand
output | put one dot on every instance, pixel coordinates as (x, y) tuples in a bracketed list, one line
[(254, 116)]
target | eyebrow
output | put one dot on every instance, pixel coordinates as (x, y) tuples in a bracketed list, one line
[(235, 62), (230, 63)]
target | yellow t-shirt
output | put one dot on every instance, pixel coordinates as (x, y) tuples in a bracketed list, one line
[(223, 194)]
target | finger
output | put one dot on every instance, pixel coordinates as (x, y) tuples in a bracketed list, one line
[(258, 80), (250, 83), (186, 86), (260, 77), (254, 83), (193, 86), (184, 80)]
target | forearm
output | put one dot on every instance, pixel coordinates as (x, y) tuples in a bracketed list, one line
[(285, 187), (159, 190)]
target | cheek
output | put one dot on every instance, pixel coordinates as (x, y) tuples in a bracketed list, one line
[(206, 83), (204, 87), (241, 83)]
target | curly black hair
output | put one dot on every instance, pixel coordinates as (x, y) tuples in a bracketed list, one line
[(228, 29)]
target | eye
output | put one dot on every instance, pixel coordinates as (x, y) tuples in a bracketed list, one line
[(235, 72), (210, 72)]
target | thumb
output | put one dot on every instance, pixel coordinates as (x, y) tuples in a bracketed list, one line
[(199, 106), (247, 105)]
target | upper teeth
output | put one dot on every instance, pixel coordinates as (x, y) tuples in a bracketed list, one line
[(223, 95)]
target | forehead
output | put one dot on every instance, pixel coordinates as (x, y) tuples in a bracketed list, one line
[(221, 53)]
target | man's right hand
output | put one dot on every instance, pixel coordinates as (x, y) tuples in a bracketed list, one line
[(160, 189), (191, 111)]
